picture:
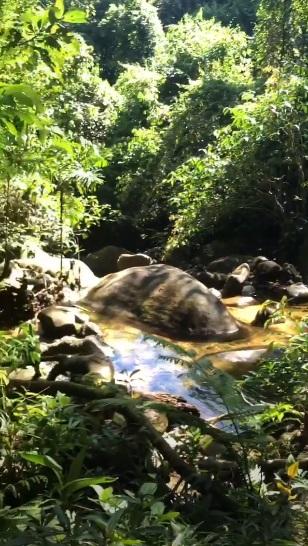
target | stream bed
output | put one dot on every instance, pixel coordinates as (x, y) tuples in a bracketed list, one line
[(156, 364)]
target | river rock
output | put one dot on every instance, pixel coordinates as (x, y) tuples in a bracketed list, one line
[(211, 280), (167, 299), (57, 321), (227, 264), (94, 366), (215, 293), (38, 261), (267, 270), (104, 261), (245, 358), (132, 260), (296, 293), (246, 301), (235, 281), (290, 274), (69, 345), (264, 314), (248, 291)]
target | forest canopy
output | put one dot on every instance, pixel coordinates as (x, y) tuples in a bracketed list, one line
[(202, 103)]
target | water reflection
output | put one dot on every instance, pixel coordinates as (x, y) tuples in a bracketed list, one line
[(160, 366), (161, 369)]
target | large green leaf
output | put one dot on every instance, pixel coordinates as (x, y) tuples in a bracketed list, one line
[(75, 16), (82, 483), (59, 8), (25, 94)]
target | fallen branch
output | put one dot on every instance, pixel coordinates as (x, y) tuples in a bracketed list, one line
[(71, 389), (278, 464), (204, 484), (273, 465), (184, 417)]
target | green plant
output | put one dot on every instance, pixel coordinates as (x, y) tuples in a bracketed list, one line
[(22, 350)]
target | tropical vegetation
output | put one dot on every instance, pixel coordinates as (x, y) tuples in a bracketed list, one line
[(187, 122)]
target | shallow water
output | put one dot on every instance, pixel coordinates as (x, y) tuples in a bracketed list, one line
[(152, 363)]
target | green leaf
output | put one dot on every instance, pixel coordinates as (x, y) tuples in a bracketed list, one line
[(101, 163), (11, 128), (76, 466), (75, 16), (158, 508), (23, 93), (82, 483), (148, 488), (44, 460), (170, 516), (59, 8), (63, 144)]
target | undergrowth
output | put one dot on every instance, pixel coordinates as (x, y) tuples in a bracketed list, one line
[(76, 472)]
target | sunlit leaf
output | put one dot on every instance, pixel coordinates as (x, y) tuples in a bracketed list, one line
[(75, 16), (293, 470)]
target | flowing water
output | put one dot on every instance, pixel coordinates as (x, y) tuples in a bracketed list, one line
[(157, 364)]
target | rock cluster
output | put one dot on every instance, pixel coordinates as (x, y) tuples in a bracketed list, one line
[(257, 277)]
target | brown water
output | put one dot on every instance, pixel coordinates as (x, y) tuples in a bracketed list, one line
[(154, 364)]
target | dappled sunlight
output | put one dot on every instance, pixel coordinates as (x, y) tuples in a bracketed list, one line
[(161, 365)]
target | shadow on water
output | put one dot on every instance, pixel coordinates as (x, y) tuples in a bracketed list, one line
[(156, 364)]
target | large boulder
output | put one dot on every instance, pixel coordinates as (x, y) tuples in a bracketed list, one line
[(104, 261), (167, 299), (39, 261), (132, 260)]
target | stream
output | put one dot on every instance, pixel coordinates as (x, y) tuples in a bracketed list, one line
[(156, 364)]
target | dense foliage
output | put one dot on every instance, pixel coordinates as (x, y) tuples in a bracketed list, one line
[(48, 165), (105, 483), (211, 121), (189, 123)]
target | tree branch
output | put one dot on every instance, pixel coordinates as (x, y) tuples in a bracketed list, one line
[(204, 484)]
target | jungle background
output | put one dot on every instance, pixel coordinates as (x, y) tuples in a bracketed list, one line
[(177, 127)]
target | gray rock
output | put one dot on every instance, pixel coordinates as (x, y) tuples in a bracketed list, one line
[(212, 280), (41, 262), (58, 321), (77, 366), (248, 291), (246, 301), (69, 345), (264, 314), (297, 293), (235, 281), (227, 264), (104, 261), (132, 260), (267, 271), (215, 293), (167, 299), (243, 357)]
